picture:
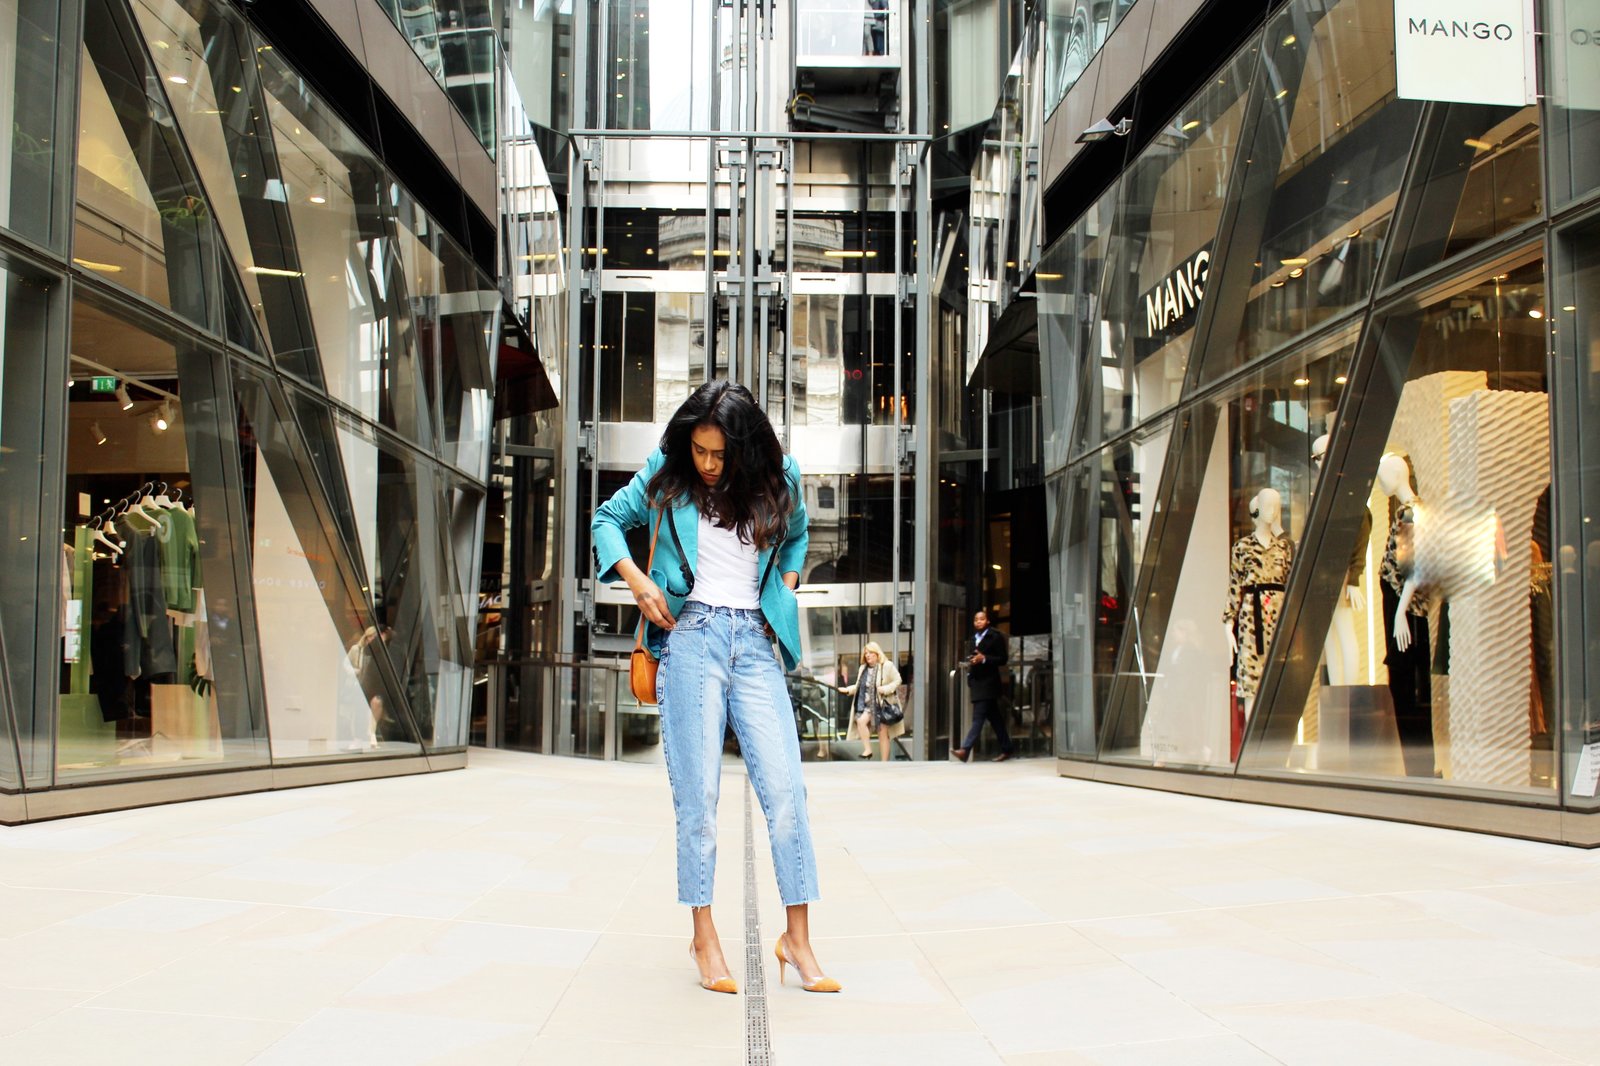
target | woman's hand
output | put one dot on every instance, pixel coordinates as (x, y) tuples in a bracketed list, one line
[(652, 602)]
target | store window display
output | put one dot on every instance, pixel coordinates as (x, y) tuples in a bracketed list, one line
[(1454, 650), (1236, 493), (142, 659)]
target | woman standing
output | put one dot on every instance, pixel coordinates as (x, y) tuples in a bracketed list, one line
[(876, 694), (720, 590)]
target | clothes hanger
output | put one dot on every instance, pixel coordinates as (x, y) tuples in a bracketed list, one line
[(103, 522)]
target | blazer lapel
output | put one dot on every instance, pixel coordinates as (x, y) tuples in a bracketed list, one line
[(687, 518)]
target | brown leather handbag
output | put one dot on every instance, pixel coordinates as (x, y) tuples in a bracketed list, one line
[(642, 665)]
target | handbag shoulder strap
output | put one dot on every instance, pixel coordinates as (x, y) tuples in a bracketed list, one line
[(638, 640), (683, 559)]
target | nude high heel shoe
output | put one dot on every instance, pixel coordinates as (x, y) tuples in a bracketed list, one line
[(821, 984), (720, 984)]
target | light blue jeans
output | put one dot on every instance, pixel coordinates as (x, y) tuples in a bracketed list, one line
[(719, 665)]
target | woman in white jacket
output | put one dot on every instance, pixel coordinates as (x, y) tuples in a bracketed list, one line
[(877, 699)]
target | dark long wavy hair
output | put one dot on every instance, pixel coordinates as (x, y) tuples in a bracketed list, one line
[(752, 497)]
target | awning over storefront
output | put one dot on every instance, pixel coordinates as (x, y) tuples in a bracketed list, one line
[(1010, 361)]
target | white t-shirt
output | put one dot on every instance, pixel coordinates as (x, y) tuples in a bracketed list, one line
[(726, 576)]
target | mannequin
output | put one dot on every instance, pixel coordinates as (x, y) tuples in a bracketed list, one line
[(1408, 641), (1258, 567), (1341, 651)]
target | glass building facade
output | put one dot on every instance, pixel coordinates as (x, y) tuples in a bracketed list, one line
[(244, 425), (1314, 393)]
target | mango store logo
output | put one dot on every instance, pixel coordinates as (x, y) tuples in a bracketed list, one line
[(1172, 303), (1461, 29)]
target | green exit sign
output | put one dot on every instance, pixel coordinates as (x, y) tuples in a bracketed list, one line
[(105, 384)]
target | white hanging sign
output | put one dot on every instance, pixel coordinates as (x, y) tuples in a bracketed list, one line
[(1466, 51)]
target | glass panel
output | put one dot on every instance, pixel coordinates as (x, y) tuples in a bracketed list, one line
[(540, 48), (855, 243), (411, 379), (455, 39), (1213, 577), (331, 686), (1170, 201), (1441, 663), (153, 675), (29, 59), (1074, 32), (142, 219), (657, 76), (1069, 281), (1480, 178), (329, 226), (26, 350), (967, 55), (1099, 517), (1576, 322), (846, 29), (413, 584), (842, 360), (1572, 82), (469, 328), (1336, 138), (469, 52)]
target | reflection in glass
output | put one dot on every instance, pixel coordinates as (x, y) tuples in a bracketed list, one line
[(142, 219), (410, 571), (29, 46), (331, 686), (456, 41), (1573, 91), (1074, 32), (658, 68), (1440, 664), (1068, 280)]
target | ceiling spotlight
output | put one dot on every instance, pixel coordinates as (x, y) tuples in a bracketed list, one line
[(123, 399), (1340, 380), (97, 433), (1105, 128), (163, 417)]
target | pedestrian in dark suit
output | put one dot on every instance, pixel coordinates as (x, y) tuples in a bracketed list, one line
[(984, 654)]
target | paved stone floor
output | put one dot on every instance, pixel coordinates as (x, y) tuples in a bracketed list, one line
[(522, 911)]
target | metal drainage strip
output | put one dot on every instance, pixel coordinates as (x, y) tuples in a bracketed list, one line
[(757, 1035)]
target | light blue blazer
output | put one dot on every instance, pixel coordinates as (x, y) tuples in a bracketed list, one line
[(628, 510)]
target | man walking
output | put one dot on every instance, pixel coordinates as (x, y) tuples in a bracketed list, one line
[(985, 655)]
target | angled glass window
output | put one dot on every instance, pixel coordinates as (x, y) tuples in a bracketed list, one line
[(469, 332), (408, 558), (1426, 650), (1099, 514), (143, 221), (1575, 320), (331, 685), (1069, 280), (27, 351), (1478, 177), (1159, 261), (29, 58), (1324, 166), (154, 675), (1227, 522)]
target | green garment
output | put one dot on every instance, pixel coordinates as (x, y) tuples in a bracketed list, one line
[(180, 559)]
